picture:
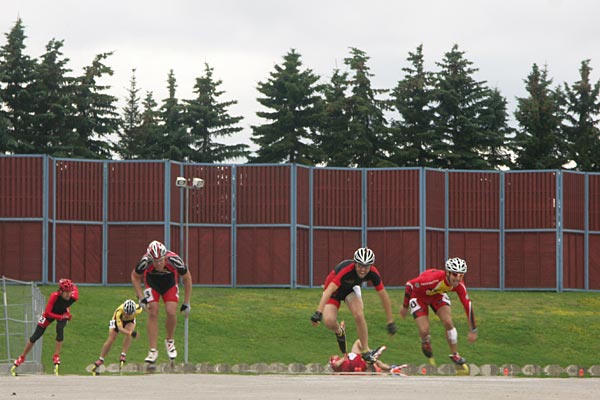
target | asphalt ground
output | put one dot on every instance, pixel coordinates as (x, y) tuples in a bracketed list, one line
[(296, 387)]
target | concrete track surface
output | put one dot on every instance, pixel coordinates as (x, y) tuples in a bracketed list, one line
[(296, 387)]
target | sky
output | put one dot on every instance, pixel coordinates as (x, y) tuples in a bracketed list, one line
[(242, 40)]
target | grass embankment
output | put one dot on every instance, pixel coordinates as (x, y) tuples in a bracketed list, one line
[(272, 325)]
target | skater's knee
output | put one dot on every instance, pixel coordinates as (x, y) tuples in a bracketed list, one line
[(452, 335)]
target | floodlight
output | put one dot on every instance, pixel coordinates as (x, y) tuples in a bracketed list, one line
[(198, 183), (181, 181)]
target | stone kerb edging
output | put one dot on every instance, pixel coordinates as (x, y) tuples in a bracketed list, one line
[(552, 370)]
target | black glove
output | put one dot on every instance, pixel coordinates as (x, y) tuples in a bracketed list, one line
[(134, 334), (185, 308), (392, 328), (144, 304), (317, 316)]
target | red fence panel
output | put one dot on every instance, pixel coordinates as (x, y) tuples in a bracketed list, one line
[(530, 260), (263, 256), (209, 256), (21, 187), (594, 202), (128, 244), (435, 189), (573, 212), (303, 196), (482, 252), (337, 195), (78, 190), (530, 200), (79, 252), (21, 250), (393, 198), (396, 254), (302, 257), (594, 268), (474, 200), (136, 191), (329, 248), (434, 249), (573, 261), (212, 203), (263, 194)]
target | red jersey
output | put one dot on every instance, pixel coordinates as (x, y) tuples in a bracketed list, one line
[(345, 277), (57, 306), (161, 281), (432, 283), (353, 363)]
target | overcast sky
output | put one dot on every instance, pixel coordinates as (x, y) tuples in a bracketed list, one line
[(242, 40)]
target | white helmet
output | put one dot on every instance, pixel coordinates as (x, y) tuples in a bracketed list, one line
[(364, 256), (156, 250), (129, 306), (456, 265)]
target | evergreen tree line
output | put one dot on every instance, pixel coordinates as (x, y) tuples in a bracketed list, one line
[(439, 119)]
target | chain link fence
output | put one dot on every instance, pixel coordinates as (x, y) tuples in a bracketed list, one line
[(22, 304)]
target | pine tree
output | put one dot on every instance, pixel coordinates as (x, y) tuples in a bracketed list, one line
[(459, 100), (52, 106), (581, 125), (95, 116), (208, 119), (16, 78), (175, 141), (292, 97), (130, 142), (495, 129), (334, 138), (150, 130), (414, 136), (373, 143), (539, 143)]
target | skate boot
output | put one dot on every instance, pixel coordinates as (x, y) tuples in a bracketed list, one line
[(171, 350), (16, 364), (460, 364), (96, 367), (457, 359), (152, 356), (427, 351), (56, 361), (341, 338), (372, 355), (122, 360), (397, 370)]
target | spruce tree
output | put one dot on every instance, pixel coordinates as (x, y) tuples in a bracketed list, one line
[(208, 119), (413, 134), (291, 97), (459, 99), (175, 141), (582, 102), (95, 112), (16, 77), (150, 129), (496, 131), (372, 144), (334, 138), (539, 142), (130, 142), (52, 105)]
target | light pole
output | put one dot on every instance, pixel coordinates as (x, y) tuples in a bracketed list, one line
[(197, 183)]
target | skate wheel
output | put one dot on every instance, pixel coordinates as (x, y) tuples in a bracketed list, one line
[(150, 367), (462, 369)]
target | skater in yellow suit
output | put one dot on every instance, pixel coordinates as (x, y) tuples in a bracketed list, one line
[(123, 321)]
